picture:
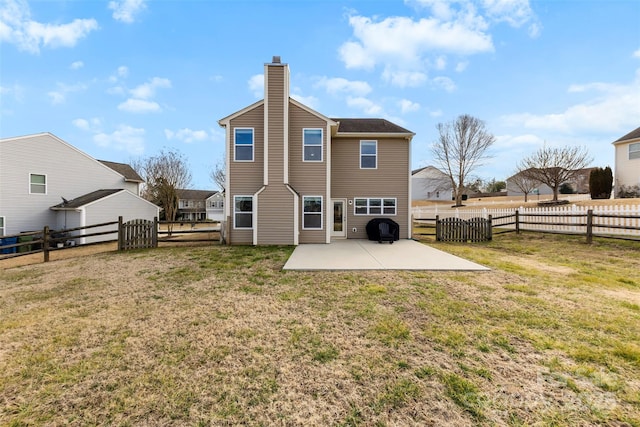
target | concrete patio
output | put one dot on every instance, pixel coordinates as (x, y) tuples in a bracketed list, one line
[(355, 254)]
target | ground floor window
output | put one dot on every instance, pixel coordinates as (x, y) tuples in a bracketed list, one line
[(243, 212), (312, 213), (2, 226), (375, 206)]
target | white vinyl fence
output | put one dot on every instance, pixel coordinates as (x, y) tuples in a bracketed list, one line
[(607, 220)]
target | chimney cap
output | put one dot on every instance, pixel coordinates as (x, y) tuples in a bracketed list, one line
[(276, 59)]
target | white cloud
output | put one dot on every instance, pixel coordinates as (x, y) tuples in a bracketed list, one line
[(340, 86), (216, 78), (611, 108), (56, 97), (404, 78), (76, 65), (256, 85), (445, 83), (148, 90), (16, 90), (59, 96), (92, 125), (126, 10), (125, 138), (186, 135), (309, 101), (133, 105), (514, 12), (636, 54), (365, 105), (407, 106), (17, 27), (525, 141), (461, 66)]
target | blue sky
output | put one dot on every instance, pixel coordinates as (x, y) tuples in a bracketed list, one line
[(125, 78)]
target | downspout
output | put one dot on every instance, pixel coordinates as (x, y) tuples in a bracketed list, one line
[(329, 202), (83, 223)]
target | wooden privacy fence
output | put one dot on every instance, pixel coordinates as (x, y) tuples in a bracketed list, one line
[(137, 234), (460, 230)]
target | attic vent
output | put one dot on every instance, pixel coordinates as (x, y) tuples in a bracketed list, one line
[(276, 60)]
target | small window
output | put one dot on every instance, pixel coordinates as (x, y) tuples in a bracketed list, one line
[(2, 232), (37, 184), (243, 139), (312, 213), (243, 212), (375, 206), (634, 151), (312, 145), (368, 154)]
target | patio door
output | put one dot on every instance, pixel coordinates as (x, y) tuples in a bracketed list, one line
[(339, 228)]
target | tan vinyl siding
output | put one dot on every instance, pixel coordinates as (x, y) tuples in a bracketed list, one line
[(275, 216), (389, 180), (307, 178), (276, 108), (246, 178)]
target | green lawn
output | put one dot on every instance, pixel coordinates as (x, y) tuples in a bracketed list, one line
[(222, 336)]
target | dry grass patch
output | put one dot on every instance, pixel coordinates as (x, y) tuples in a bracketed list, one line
[(222, 336)]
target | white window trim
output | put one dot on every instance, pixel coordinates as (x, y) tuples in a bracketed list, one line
[(253, 144), (235, 227), (46, 180), (321, 145), (368, 155), (635, 152), (314, 213), (3, 227), (382, 199)]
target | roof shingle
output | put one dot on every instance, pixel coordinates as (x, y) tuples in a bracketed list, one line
[(368, 126)]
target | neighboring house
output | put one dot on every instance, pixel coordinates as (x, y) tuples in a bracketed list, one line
[(46, 181), (296, 176), (627, 167), (579, 184), (200, 205), (430, 183)]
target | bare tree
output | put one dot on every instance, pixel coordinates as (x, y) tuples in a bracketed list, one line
[(218, 175), (524, 182), (555, 166), (460, 148), (164, 174)]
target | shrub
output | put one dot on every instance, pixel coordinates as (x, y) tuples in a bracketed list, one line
[(566, 189), (601, 183), (628, 192)]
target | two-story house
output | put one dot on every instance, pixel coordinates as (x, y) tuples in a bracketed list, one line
[(627, 168), (430, 183), (46, 181), (296, 176), (200, 205)]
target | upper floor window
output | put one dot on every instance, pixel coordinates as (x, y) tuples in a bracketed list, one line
[(243, 212), (368, 154), (243, 141), (312, 213), (37, 184), (312, 145), (634, 151)]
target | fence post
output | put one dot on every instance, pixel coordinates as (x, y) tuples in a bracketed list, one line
[(120, 234), (590, 226), (438, 228), (154, 233), (45, 243), (517, 221)]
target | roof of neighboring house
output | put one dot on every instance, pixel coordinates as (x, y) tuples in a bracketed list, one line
[(634, 134), (194, 194), (78, 202), (369, 126), (123, 169), (429, 172)]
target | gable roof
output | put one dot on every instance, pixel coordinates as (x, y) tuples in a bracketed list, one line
[(369, 126), (123, 169), (430, 172), (634, 134), (194, 194), (83, 200)]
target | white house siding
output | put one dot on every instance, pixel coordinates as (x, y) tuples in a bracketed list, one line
[(430, 184), (627, 171), (70, 173), (108, 209)]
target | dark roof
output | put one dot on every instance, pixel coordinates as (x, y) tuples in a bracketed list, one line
[(634, 134), (78, 202), (123, 169), (195, 194), (369, 126)]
